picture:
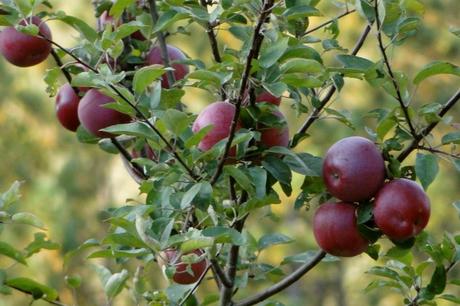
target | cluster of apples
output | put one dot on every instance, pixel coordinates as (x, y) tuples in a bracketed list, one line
[(353, 172)]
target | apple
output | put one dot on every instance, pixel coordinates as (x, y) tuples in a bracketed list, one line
[(220, 116), (335, 230), (25, 50), (265, 96), (275, 136), (182, 274), (175, 54), (67, 107), (401, 209), (94, 116), (353, 169)]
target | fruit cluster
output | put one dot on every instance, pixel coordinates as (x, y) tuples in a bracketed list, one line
[(354, 173)]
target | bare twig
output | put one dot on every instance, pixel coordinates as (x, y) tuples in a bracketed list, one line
[(390, 72), (220, 273), (427, 130), (283, 284), (316, 112), (329, 21), (437, 151), (253, 54)]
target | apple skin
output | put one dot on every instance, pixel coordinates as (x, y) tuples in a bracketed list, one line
[(335, 230), (401, 209), (94, 116), (265, 96), (275, 136), (353, 169), (67, 107), (25, 50), (175, 54), (220, 115), (182, 276)]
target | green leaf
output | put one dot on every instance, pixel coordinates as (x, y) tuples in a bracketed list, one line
[(190, 195), (384, 272), (301, 65), (145, 76), (241, 178), (270, 55), (51, 79), (273, 239), (356, 63), (7, 250), (176, 121), (139, 129), (115, 284), (434, 68), (278, 169), (37, 290), (28, 219), (82, 27), (259, 178), (167, 19), (25, 6), (118, 7), (450, 297), (198, 243), (10, 196), (196, 138), (300, 11), (73, 281), (426, 168), (223, 234), (307, 257), (40, 242), (438, 280), (453, 137)]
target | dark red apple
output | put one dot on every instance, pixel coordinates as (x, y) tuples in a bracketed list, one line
[(94, 116), (401, 209), (265, 96), (175, 54), (182, 275), (275, 136), (67, 107), (353, 169), (25, 50), (336, 232), (220, 116)]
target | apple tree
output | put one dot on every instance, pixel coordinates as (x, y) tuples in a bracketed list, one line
[(205, 176)]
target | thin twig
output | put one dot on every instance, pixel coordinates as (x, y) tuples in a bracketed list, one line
[(214, 45), (162, 44), (427, 130), (220, 273), (329, 21), (283, 284), (316, 112), (390, 72), (433, 150), (253, 54)]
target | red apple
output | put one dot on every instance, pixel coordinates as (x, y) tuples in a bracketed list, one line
[(106, 19), (25, 50), (94, 116), (220, 116), (336, 232), (401, 209), (265, 96), (67, 107), (175, 54), (353, 169), (275, 136), (182, 275)]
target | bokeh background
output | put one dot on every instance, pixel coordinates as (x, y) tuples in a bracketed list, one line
[(69, 184)]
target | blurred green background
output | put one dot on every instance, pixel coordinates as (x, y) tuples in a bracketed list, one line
[(68, 184)]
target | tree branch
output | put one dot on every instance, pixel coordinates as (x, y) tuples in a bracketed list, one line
[(329, 21), (427, 130), (436, 151), (390, 72), (162, 44), (283, 284), (220, 273), (136, 109), (253, 54), (315, 114)]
